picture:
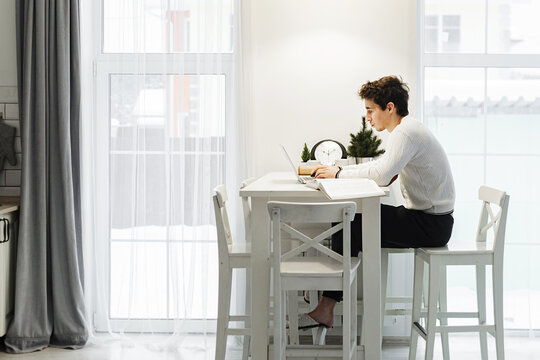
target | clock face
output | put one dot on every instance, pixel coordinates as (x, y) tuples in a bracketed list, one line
[(328, 151)]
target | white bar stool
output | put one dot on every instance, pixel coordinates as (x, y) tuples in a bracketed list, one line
[(231, 256), (480, 253)]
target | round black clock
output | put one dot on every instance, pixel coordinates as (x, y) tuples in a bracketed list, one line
[(328, 151)]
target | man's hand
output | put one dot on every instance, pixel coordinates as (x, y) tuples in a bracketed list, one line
[(325, 172)]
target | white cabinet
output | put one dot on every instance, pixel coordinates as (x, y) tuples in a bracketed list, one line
[(9, 219)]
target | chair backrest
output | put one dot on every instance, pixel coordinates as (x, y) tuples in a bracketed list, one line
[(222, 221), (493, 220), (282, 213), (246, 208)]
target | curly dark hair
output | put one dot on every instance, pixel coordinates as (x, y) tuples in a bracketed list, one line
[(387, 89)]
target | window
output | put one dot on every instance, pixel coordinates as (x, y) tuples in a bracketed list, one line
[(164, 80), (481, 97)]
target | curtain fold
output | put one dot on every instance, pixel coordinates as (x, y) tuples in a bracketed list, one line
[(49, 299)]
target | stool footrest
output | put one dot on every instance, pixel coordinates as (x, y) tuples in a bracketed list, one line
[(318, 351), (465, 328), (243, 331), (457, 315), (399, 300), (395, 312)]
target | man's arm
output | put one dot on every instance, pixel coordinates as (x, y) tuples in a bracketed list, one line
[(384, 169)]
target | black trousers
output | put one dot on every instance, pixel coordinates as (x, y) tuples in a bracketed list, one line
[(400, 228)]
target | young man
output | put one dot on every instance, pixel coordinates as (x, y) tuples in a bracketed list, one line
[(413, 154)]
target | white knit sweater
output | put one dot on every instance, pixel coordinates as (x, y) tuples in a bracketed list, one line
[(419, 159)]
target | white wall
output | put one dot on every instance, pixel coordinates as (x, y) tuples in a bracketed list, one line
[(10, 177), (308, 58), (8, 65)]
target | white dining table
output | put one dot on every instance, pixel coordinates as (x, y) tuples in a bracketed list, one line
[(285, 187)]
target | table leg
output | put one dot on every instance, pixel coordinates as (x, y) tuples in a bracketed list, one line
[(260, 277), (371, 265)]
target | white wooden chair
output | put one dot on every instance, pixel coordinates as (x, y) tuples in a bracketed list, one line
[(329, 270), (293, 308), (231, 256), (480, 254)]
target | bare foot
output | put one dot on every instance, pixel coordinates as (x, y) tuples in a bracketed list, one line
[(324, 312)]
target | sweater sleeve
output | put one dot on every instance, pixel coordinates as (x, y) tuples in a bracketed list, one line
[(382, 170)]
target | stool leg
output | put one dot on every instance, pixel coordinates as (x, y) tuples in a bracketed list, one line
[(292, 311), (425, 277), (247, 323), (384, 279), (498, 309), (434, 277), (313, 302), (354, 318), (320, 336), (417, 303), (443, 306), (360, 297), (278, 321), (481, 300), (224, 305), (346, 354)]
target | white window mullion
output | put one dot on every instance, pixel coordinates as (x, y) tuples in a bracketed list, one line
[(485, 125), (480, 60), (420, 35)]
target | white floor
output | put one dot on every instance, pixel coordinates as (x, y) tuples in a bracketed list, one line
[(202, 347)]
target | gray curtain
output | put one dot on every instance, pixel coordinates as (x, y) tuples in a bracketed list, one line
[(49, 299)]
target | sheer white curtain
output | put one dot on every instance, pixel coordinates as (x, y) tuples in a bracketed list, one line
[(162, 129)]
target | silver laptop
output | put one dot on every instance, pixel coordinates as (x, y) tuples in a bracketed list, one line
[(301, 179)]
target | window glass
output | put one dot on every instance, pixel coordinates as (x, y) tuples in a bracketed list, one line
[(183, 259), (167, 26), (453, 108), (513, 26), (518, 302), (139, 269), (513, 111), (454, 26), (518, 176), (152, 110)]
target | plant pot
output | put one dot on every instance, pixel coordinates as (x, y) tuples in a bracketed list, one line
[(342, 162), (306, 168), (359, 160)]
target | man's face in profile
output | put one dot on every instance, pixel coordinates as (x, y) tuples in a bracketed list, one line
[(377, 117)]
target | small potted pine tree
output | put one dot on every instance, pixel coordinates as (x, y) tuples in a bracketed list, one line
[(305, 167), (306, 154), (364, 145)]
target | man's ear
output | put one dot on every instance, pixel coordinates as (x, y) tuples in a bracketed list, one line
[(390, 106)]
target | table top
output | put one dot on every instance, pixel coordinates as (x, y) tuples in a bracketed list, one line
[(283, 184)]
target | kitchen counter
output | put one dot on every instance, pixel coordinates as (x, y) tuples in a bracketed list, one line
[(9, 204)]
